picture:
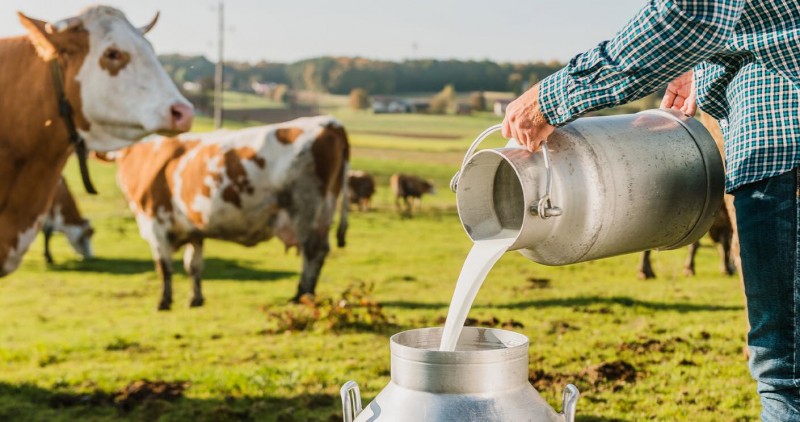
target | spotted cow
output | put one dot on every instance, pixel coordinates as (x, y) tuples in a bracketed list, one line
[(117, 91), (65, 217), (361, 187), (242, 186), (410, 189)]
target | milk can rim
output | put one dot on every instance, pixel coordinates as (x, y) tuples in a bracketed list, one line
[(514, 350)]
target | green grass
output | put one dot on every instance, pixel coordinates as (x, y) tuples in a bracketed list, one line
[(78, 329)]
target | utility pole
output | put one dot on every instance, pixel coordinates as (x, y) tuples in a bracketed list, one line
[(218, 74)]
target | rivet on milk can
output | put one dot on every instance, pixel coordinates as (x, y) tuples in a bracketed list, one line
[(484, 380), (602, 186)]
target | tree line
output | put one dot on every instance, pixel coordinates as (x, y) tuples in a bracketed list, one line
[(341, 75)]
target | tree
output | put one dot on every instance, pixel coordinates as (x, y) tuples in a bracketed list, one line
[(445, 101), (478, 101), (359, 99)]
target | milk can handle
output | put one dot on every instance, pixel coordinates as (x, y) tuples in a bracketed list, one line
[(351, 400), (570, 401), (544, 208)]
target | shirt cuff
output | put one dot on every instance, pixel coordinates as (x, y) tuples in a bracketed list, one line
[(554, 98)]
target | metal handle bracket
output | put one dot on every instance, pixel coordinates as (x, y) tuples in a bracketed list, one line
[(351, 401), (544, 207)]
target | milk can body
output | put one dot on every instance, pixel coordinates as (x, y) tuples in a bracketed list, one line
[(485, 379), (618, 184)]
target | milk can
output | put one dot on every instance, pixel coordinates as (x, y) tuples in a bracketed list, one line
[(485, 379), (601, 186)]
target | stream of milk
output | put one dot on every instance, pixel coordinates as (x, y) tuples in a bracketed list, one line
[(481, 259)]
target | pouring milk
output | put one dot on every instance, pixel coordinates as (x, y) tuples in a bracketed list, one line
[(481, 259)]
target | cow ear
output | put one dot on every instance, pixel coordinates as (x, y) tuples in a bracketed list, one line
[(41, 39)]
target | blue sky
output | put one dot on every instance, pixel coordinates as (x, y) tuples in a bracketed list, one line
[(501, 30)]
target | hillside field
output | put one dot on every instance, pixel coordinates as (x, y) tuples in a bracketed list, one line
[(82, 340)]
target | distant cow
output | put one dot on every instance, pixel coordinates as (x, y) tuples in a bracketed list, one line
[(243, 186), (409, 188), (65, 217), (721, 232), (361, 188), (117, 92)]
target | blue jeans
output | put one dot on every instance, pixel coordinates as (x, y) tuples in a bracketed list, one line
[(767, 213)]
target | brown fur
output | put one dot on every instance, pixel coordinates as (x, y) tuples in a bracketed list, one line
[(288, 135), (361, 188), (408, 187), (30, 125)]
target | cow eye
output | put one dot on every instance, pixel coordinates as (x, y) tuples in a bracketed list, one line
[(113, 54)]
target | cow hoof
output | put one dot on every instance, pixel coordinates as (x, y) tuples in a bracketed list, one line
[(197, 302), (643, 275), (688, 272), (164, 306)]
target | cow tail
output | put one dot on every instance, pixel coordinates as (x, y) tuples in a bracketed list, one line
[(342, 230)]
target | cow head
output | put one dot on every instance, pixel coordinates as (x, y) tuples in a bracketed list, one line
[(80, 238), (118, 89)]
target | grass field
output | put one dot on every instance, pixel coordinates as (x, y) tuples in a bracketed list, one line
[(79, 337)]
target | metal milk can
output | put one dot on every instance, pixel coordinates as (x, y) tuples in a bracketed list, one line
[(601, 186), (485, 379)]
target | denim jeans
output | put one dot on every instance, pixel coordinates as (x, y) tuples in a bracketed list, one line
[(767, 214)]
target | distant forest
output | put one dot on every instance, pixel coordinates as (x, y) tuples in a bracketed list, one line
[(340, 75)]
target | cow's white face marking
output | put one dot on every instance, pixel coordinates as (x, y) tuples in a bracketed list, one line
[(24, 240), (123, 104), (80, 238)]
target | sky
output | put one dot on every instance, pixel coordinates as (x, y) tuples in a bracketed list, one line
[(287, 31)]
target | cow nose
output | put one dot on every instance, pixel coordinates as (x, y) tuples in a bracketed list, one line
[(182, 116)]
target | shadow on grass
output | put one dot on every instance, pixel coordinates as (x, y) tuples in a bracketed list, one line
[(215, 268), (624, 301), (579, 301), (27, 402)]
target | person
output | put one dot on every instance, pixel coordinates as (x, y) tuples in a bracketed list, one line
[(739, 61)]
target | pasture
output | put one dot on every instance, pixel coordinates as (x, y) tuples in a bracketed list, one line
[(83, 340)]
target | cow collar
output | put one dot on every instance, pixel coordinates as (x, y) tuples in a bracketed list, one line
[(65, 110)]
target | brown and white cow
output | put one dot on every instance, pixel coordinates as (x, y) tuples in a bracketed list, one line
[(361, 187), (65, 217), (410, 188), (721, 233), (118, 93), (243, 186)]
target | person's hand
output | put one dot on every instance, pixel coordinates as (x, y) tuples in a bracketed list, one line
[(681, 95), (525, 122)]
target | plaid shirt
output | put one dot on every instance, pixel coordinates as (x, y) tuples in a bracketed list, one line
[(746, 58)]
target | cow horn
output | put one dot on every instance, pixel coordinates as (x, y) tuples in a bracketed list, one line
[(145, 29), (63, 25)]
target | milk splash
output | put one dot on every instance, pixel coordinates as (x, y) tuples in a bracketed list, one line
[(482, 257)]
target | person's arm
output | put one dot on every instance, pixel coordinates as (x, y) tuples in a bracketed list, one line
[(664, 40)]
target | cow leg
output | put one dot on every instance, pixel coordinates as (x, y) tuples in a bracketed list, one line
[(728, 265), (193, 264), (164, 268), (409, 206), (48, 233), (688, 268), (315, 250), (645, 270)]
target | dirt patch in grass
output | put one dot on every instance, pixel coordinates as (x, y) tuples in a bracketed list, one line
[(652, 345), (126, 399), (491, 322), (143, 391), (561, 327), (538, 283), (618, 371)]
